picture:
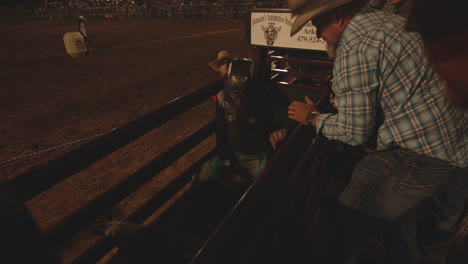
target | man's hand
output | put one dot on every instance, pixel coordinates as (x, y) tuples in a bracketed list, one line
[(298, 111), (278, 137)]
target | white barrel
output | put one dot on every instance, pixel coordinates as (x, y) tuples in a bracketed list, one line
[(74, 44)]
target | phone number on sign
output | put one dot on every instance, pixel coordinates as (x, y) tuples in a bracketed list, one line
[(312, 39)]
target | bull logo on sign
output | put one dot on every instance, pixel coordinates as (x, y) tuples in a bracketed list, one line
[(271, 33)]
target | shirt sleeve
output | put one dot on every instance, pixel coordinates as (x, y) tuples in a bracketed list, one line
[(355, 85)]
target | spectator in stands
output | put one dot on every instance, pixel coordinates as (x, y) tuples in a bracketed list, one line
[(403, 7), (22, 243), (221, 64), (389, 100), (376, 4), (399, 7), (81, 27)]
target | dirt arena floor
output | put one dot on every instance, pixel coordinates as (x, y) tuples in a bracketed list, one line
[(50, 103), (49, 99)]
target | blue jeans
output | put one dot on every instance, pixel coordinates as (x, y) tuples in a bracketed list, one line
[(383, 193)]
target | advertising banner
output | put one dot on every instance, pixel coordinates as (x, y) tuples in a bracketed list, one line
[(272, 28)]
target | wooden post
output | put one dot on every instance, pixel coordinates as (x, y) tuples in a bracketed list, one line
[(260, 57)]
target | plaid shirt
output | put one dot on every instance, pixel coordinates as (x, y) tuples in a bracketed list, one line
[(383, 82)]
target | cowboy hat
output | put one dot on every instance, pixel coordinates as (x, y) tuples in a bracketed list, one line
[(221, 55), (82, 17), (305, 10)]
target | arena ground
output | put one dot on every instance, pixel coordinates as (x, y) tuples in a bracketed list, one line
[(48, 98)]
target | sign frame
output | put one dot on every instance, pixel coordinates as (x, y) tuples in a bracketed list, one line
[(277, 22)]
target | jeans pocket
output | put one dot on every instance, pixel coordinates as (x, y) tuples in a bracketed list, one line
[(368, 178), (422, 180)]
